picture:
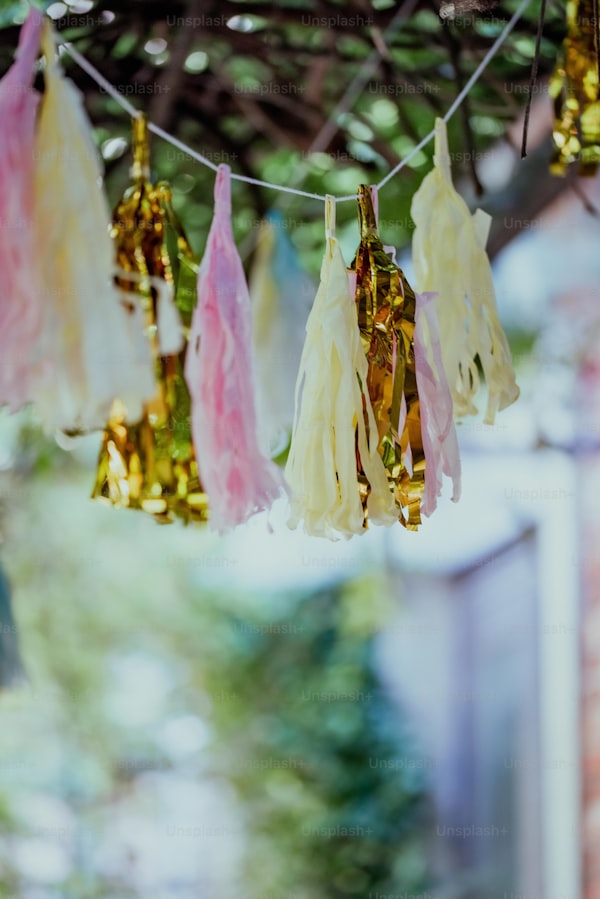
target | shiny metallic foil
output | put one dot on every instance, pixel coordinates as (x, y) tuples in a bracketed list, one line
[(574, 88), (386, 318), (151, 465)]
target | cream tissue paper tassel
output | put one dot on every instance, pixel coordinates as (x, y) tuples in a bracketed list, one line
[(449, 258), (86, 353), (331, 404)]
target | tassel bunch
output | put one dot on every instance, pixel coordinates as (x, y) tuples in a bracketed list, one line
[(374, 430)]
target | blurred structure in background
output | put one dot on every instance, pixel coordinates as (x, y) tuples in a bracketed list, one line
[(274, 715), (11, 668)]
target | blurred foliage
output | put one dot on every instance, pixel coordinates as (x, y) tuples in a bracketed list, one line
[(312, 711), (254, 84), (147, 678)]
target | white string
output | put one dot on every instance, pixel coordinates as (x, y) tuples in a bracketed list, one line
[(352, 92), (101, 80), (287, 190), (135, 113), (181, 146)]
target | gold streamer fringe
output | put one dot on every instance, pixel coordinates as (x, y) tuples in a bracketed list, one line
[(386, 319), (574, 87), (151, 465)]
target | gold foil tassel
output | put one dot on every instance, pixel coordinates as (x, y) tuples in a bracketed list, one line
[(386, 318), (574, 88), (151, 465)]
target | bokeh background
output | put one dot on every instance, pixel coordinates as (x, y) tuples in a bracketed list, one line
[(270, 716)]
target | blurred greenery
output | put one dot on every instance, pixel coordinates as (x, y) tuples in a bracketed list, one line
[(311, 704), (274, 694), (266, 87)]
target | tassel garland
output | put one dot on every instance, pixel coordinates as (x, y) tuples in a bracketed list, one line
[(114, 325)]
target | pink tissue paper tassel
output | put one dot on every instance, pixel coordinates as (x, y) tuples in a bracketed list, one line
[(440, 442), (20, 310), (238, 479)]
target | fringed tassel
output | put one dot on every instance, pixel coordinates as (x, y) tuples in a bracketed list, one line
[(575, 89), (150, 464), (20, 299), (334, 424), (449, 258), (440, 442), (219, 371), (84, 350), (281, 294), (386, 318)]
